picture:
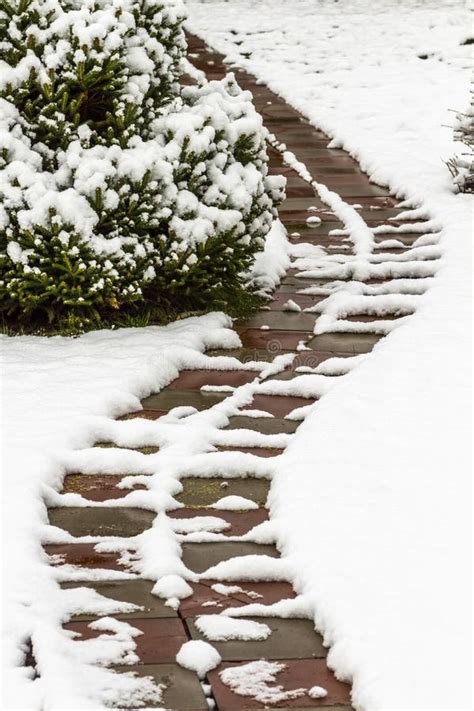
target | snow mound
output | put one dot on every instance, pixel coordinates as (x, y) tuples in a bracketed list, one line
[(222, 629), (234, 503), (198, 656)]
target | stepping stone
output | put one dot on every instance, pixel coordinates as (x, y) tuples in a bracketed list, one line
[(201, 492), (296, 279), (290, 639), (295, 283), (168, 399), (296, 142), (198, 557), (380, 216), (281, 113), (241, 522), (352, 343), (85, 556), (323, 170), (136, 591), (303, 204), (142, 450), (376, 202), (322, 229), (183, 690), (330, 164), (101, 520), (355, 190), (160, 642), (257, 451), (97, 487), (143, 414), (297, 674), (206, 600), (278, 405), (285, 321), (298, 217), (297, 187), (195, 379), (301, 135), (266, 425), (304, 301), (247, 355), (364, 318), (275, 340)]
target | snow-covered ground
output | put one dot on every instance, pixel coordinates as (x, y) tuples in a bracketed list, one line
[(375, 516), (56, 395)]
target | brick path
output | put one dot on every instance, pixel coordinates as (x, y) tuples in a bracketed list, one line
[(293, 641)]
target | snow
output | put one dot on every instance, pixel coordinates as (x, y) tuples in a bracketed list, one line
[(59, 395), (253, 680), (374, 519), (172, 586), (198, 656), (234, 503), (317, 692), (218, 628)]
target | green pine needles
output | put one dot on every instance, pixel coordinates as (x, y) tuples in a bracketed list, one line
[(120, 191)]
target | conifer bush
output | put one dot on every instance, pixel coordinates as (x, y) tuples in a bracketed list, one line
[(118, 188)]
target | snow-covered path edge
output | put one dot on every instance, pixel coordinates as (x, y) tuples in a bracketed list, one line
[(372, 496)]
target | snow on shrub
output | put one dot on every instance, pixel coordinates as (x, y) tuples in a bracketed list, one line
[(116, 186), (462, 167)]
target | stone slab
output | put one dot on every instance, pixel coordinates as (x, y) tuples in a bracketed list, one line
[(241, 522), (290, 219), (303, 203), (278, 405), (201, 556), (160, 642), (136, 591), (168, 399), (206, 600), (151, 449), (352, 343), (85, 556), (143, 414), (290, 639), (195, 379), (101, 520), (183, 690), (266, 425), (286, 321), (298, 188), (97, 487), (296, 280), (281, 113), (198, 493), (248, 355), (274, 340), (365, 318), (297, 674), (304, 301)]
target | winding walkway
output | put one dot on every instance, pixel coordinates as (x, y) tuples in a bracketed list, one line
[(272, 332)]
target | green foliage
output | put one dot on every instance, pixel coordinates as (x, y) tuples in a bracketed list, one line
[(120, 191)]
